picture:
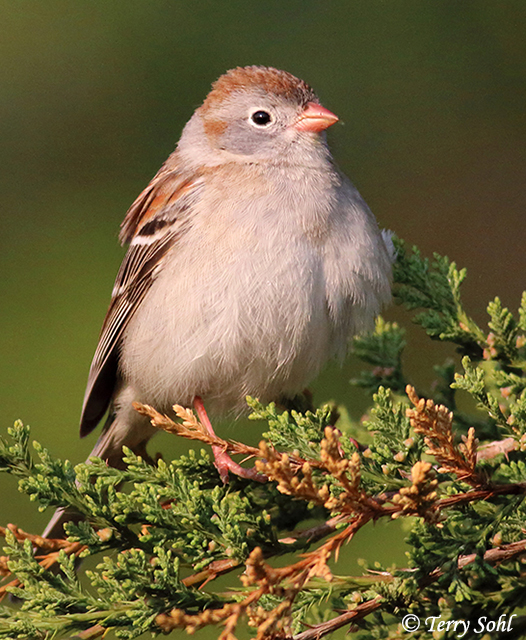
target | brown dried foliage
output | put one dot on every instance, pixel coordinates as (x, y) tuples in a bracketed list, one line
[(420, 498), (297, 479), (48, 552), (345, 500), (435, 422), (191, 428), (332, 481), (285, 582)]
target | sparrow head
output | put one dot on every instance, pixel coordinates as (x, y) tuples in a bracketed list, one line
[(255, 114)]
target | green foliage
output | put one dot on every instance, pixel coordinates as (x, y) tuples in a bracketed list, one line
[(162, 533), (394, 447), (383, 349), (435, 288), (292, 430)]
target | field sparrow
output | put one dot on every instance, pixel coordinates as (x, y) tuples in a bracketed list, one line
[(252, 260)]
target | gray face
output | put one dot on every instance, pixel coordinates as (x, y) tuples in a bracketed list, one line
[(258, 124)]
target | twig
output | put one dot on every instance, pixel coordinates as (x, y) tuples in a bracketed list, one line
[(88, 634), (45, 544), (492, 556), (493, 449), (314, 533), (220, 567), (191, 428), (361, 611)]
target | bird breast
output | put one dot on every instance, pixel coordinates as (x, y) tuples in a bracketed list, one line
[(242, 305)]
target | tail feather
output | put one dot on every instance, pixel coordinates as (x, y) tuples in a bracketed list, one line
[(55, 527), (117, 433)]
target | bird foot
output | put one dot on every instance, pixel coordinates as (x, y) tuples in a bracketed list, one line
[(224, 464)]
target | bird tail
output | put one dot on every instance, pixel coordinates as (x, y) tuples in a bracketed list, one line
[(117, 433)]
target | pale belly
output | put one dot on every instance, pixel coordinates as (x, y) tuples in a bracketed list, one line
[(257, 325)]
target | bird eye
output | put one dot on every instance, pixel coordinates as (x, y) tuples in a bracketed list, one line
[(261, 118)]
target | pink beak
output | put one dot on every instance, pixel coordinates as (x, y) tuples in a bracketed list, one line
[(315, 118)]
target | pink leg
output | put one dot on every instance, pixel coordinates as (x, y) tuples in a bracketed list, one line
[(223, 461)]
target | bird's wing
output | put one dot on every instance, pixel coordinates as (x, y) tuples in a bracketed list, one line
[(152, 226)]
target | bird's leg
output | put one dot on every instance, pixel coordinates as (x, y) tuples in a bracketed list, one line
[(222, 460)]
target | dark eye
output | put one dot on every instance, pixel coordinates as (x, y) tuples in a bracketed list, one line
[(261, 118)]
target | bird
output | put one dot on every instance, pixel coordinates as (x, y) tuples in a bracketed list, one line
[(252, 259)]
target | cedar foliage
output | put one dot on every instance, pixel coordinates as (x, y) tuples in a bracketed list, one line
[(164, 533)]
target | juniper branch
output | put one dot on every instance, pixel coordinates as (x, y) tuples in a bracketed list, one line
[(465, 501)]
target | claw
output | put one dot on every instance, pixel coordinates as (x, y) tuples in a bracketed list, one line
[(222, 461)]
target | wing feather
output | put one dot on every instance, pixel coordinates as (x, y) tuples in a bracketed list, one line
[(152, 225)]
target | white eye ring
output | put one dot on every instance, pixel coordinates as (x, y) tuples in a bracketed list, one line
[(261, 118)]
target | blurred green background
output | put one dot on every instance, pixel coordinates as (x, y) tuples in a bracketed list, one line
[(432, 96)]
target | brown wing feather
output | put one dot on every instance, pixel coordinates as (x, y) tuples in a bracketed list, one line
[(165, 188), (152, 225)]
